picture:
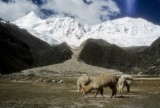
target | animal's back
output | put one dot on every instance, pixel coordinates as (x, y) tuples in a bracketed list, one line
[(105, 80), (83, 80)]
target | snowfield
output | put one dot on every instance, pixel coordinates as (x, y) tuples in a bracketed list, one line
[(124, 32)]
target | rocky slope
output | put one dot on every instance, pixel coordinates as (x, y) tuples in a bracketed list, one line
[(98, 56), (20, 50), (14, 53), (149, 58), (98, 52)]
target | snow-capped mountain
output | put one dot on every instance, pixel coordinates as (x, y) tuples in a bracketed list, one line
[(123, 32)]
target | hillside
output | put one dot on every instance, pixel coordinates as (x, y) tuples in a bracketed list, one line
[(100, 53), (99, 45), (20, 50), (149, 58)]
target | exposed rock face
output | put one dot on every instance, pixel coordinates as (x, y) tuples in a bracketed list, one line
[(98, 52), (20, 50), (149, 58), (154, 52), (14, 53), (55, 54)]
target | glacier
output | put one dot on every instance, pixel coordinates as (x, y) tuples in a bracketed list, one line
[(124, 32)]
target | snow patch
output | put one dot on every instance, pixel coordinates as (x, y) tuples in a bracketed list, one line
[(124, 32)]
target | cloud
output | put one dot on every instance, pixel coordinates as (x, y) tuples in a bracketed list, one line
[(13, 10), (86, 13)]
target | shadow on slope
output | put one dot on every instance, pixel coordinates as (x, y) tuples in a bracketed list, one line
[(20, 50), (100, 53), (149, 58), (55, 54)]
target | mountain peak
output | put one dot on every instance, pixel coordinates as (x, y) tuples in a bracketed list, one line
[(130, 20), (28, 21), (31, 14), (124, 32)]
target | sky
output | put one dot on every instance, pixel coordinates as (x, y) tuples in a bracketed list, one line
[(85, 11), (147, 9)]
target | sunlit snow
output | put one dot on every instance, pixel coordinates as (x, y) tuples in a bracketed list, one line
[(124, 32)]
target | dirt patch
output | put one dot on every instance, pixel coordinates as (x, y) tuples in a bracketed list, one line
[(31, 94), (70, 67)]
